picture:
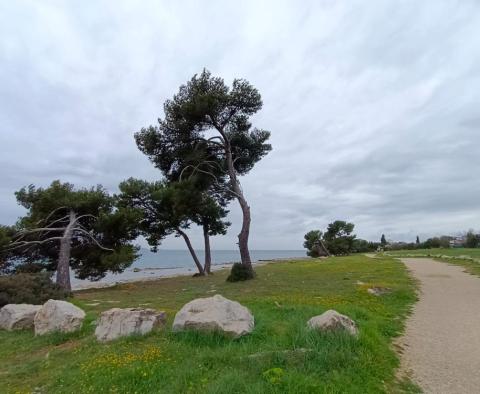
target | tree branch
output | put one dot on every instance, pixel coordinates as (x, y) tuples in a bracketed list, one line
[(19, 244), (86, 215), (219, 184), (58, 220), (92, 238), (21, 234), (50, 215), (233, 111)]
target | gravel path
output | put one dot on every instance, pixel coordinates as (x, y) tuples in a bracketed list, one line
[(441, 345)]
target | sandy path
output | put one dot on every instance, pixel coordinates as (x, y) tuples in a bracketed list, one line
[(441, 345)]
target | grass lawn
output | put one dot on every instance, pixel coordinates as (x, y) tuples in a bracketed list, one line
[(465, 257), (270, 360)]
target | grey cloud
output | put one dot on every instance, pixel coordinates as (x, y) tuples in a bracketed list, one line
[(373, 107)]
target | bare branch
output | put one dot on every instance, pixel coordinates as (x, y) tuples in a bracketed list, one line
[(58, 220), (19, 244), (215, 137), (210, 140), (93, 239), (21, 234), (50, 215), (78, 225), (86, 215)]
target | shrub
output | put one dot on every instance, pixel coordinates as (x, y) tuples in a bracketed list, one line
[(28, 288), (240, 272)]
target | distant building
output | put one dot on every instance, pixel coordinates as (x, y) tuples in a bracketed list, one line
[(457, 242)]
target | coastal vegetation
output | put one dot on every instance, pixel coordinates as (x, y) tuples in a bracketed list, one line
[(202, 146), (338, 239), (281, 354)]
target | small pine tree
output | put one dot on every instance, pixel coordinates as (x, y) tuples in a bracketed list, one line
[(417, 241), (383, 240)]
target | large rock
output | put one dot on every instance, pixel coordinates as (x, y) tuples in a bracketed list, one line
[(18, 316), (215, 314), (57, 315), (117, 322), (332, 321)]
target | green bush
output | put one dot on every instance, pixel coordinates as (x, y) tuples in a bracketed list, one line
[(28, 288), (240, 272)]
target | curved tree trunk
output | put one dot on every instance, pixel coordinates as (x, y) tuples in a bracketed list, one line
[(208, 253), (192, 251), (244, 234), (63, 267), (245, 231)]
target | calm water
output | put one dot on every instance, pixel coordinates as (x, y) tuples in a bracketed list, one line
[(182, 258), (179, 262)]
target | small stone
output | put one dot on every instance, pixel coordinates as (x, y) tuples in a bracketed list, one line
[(333, 321), (379, 291), (18, 316)]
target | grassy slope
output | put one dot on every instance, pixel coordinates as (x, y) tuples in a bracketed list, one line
[(282, 298), (456, 256)]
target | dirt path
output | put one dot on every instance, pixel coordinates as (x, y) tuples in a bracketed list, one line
[(441, 345)]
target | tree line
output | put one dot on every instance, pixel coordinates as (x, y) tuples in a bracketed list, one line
[(338, 239), (202, 146), (469, 240)]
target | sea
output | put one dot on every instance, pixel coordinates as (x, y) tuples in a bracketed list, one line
[(169, 262)]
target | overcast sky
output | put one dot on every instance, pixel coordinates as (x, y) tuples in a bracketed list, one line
[(373, 106)]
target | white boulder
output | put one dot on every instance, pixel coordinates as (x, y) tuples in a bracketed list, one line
[(18, 316), (57, 315), (215, 314), (116, 322), (332, 321)]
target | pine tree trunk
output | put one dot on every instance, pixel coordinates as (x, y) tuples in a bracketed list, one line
[(244, 234), (63, 267), (208, 253), (245, 231), (192, 251)]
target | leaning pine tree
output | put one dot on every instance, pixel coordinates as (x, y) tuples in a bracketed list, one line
[(72, 229), (207, 113)]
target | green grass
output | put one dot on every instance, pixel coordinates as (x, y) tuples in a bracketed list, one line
[(282, 298), (464, 257)]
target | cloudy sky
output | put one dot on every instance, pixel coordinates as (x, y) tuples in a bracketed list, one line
[(374, 106)]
